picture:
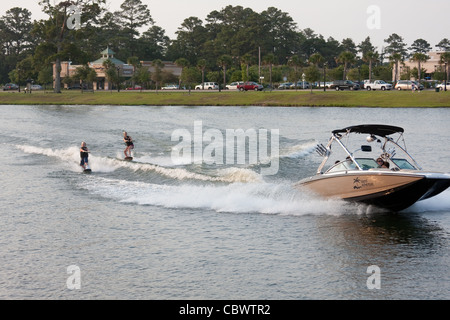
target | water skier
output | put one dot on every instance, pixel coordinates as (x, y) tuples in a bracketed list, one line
[(130, 145), (84, 155)]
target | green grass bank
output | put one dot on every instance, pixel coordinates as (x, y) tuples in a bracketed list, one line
[(383, 99)]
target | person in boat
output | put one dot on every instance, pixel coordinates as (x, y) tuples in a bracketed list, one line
[(129, 143), (382, 164), (84, 155)]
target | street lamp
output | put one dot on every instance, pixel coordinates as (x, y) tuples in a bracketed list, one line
[(359, 75), (118, 79), (219, 79), (445, 83), (324, 76)]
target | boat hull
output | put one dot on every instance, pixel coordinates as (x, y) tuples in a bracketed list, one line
[(390, 190)]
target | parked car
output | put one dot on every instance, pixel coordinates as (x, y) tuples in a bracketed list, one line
[(208, 86), (10, 86), (75, 87), (136, 87), (34, 87), (301, 85), (170, 87), (407, 85), (328, 84), (441, 86), (378, 85), (361, 84), (285, 85), (344, 84), (250, 85), (233, 85)]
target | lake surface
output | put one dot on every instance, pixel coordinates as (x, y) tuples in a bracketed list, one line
[(155, 229)]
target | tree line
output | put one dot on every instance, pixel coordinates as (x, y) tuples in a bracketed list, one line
[(230, 45)]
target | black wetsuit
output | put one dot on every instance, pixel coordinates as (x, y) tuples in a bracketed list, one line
[(128, 141), (84, 156)]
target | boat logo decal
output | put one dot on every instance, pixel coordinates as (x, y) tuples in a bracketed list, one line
[(359, 183)]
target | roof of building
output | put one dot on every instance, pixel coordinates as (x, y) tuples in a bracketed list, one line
[(113, 60), (108, 54), (108, 51)]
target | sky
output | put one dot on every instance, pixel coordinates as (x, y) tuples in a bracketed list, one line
[(340, 19)]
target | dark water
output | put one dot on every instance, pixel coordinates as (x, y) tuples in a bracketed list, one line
[(150, 229)]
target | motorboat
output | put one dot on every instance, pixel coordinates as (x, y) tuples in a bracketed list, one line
[(379, 172)]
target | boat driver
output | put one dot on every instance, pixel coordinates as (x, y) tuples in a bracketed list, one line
[(382, 164)]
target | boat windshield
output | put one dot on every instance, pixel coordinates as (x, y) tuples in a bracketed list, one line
[(364, 163), (367, 163), (343, 166), (403, 164)]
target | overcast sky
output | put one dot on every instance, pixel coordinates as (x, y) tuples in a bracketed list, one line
[(356, 19)]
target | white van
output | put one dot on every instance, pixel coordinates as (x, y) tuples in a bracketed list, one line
[(208, 86)]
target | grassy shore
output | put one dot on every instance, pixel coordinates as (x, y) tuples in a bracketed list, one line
[(330, 98)]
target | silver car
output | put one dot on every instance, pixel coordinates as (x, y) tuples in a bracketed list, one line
[(407, 85), (233, 85)]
